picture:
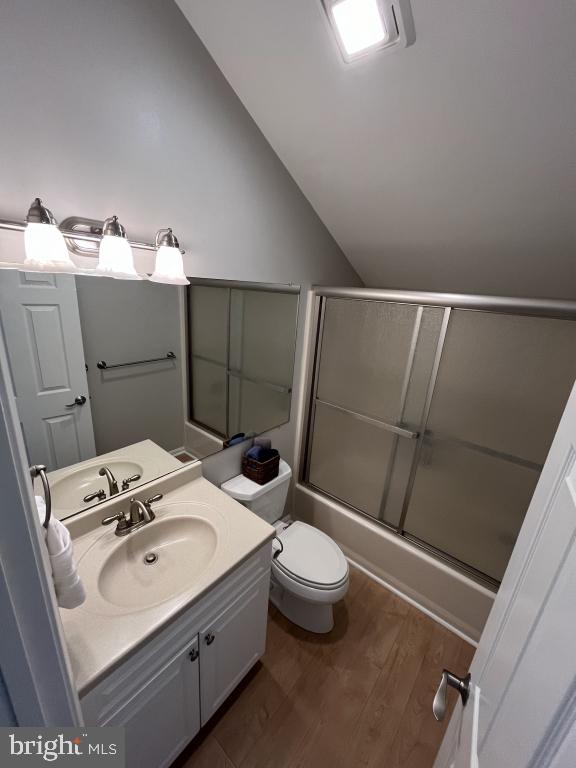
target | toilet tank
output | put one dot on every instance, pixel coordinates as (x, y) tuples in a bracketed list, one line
[(268, 500)]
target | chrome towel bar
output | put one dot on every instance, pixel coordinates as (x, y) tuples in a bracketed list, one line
[(104, 366)]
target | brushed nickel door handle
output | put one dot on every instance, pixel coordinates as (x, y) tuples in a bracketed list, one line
[(460, 684), (79, 400)]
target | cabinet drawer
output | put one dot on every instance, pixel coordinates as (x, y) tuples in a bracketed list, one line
[(123, 682)]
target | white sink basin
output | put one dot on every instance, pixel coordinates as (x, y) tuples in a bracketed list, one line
[(182, 547), (68, 491), (155, 563)]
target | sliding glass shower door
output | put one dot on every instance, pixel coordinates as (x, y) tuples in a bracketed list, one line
[(501, 388), (371, 386), (437, 421)]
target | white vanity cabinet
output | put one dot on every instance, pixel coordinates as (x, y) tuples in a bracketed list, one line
[(162, 717), (176, 680), (230, 645)]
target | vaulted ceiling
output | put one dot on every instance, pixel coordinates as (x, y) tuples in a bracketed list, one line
[(448, 165)]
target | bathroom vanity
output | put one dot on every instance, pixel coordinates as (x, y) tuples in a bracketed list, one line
[(158, 646)]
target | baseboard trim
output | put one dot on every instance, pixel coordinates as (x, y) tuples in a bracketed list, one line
[(412, 602)]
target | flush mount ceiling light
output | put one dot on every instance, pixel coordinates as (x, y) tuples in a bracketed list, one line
[(169, 266), (44, 244), (365, 26), (115, 257)]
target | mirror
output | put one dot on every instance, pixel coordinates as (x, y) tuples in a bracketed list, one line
[(241, 358), (118, 382)]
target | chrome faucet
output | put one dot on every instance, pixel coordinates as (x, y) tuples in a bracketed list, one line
[(139, 514), (112, 482)]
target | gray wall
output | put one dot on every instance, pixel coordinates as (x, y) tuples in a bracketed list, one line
[(123, 321), (7, 716), (116, 107)]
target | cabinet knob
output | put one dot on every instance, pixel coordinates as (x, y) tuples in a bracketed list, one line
[(209, 638), (193, 655)]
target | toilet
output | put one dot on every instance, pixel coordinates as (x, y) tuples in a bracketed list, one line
[(309, 570)]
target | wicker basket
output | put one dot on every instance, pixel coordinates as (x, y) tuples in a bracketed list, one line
[(260, 472)]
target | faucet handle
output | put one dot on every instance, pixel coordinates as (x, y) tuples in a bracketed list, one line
[(127, 480), (153, 499), (119, 518)]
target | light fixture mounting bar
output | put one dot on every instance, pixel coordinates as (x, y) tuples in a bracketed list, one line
[(20, 226)]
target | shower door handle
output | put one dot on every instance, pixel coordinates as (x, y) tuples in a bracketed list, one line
[(461, 684), (410, 434)]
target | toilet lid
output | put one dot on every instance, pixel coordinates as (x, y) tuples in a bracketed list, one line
[(310, 556)]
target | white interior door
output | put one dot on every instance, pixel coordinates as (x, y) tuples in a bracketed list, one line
[(524, 671), (41, 324)]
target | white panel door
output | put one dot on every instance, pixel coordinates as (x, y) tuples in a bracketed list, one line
[(525, 667), (41, 325), (231, 645)]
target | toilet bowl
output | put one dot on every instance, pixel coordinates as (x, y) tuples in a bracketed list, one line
[(309, 570)]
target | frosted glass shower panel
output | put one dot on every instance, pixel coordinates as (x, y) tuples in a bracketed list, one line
[(209, 322), (366, 347), (349, 458), (253, 407), (503, 381), (209, 393), (469, 504), (501, 387), (241, 350), (263, 336)]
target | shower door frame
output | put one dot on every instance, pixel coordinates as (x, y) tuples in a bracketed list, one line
[(547, 308)]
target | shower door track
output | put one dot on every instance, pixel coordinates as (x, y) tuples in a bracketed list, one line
[(550, 308), (555, 308)]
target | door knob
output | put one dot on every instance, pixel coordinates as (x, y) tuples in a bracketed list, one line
[(78, 400), (461, 684), (193, 655), (209, 639)]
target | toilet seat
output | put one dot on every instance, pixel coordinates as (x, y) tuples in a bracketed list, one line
[(310, 563)]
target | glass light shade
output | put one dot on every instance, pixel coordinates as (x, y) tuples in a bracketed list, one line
[(169, 267), (115, 259), (359, 23), (46, 250)]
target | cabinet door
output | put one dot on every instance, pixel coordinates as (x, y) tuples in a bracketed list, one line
[(164, 715), (231, 644)]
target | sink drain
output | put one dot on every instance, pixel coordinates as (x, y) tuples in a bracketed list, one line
[(150, 558)]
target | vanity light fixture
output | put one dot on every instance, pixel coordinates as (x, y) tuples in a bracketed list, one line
[(47, 247), (169, 265), (365, 26), (115, 257), (44, 244)]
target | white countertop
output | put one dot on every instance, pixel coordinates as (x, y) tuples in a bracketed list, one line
[(100, 634)]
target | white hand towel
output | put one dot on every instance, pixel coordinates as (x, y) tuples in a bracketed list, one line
[(69, 588)]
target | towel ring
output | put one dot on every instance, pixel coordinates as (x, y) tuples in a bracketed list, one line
[(39, 470)]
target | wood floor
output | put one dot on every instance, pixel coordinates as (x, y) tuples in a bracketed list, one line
[(360, 696)]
